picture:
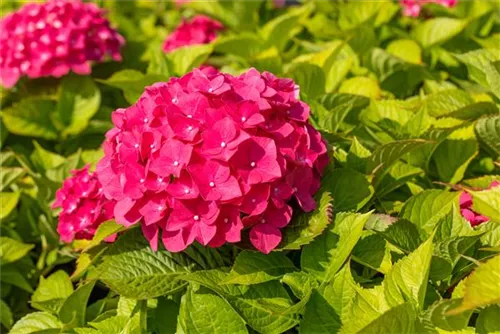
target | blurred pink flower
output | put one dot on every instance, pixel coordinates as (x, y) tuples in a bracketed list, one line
[(413, 7), (204, 156), (466, 207), (53, 38), (83, 205), (199, 30)]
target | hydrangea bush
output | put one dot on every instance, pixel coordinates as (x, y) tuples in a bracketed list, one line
[(249, 167)]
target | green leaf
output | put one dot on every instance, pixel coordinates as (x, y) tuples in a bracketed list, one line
[(300, 283), (6, 318), (264, 307), (9, 176), (267, 60), (326, 254), (407, 279), (365, 306), (398, 175), (428, 207), (309, 77), (306, 226), (104, 230), (487, 202), (363, 86), (254, 267), (162, 323), (453, 155), (11, 274), (134, 270), (350, 189), (446, 102), (72, 312), (132, 83), (340, 109), (386, 155), (372, 251), (358, 156), (12, 250), (79, 101), (440, 319), (403, 235), (205, 312), (184, 59), (406, 49), (44, 159), (51, 292), (31, 117), (244, 45), (438, 30), (488, 131), (399, 319), (280, 30), (37, 322), (481, 287), (487, 321), (118, 324), (482, 67)]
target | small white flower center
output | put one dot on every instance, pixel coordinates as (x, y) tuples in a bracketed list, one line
[(142, 180), (189, 116), (212, 184), (243, 119), (146, 120), (252, 164), (84, 193), (160, 208), (136, 145), (152, 146), (254, 200), (190, 128), (174, 100), (186, 191), (226, 220), (160, 180), (223, 144), (294, 188), (196, 217), (262, 220), (176, 163), (210, 90)]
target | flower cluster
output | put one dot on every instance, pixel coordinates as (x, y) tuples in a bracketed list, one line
[(413, 7), (53, 38), (199, 30), (203, 156), (466, 207), (83, 205)]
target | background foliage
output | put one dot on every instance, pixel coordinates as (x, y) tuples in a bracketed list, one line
[(410, 110)]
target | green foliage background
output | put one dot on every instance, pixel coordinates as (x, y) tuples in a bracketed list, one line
[(410, 108)]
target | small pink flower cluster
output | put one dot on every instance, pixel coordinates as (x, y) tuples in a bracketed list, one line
[(83, 205), (199, 30), (413, 7), (203, 156), (53, 38), (466, 207)]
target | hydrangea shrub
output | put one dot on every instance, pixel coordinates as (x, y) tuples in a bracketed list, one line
[(53, 38), (203, 156)]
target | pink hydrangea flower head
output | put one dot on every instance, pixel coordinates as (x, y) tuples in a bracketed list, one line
[(466, 210), (413, 7), (199, 30), (205, 156), (83, 205), (54, 38)]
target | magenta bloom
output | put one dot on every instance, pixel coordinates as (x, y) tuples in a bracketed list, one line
[(207, 155), (466, 207), (83, 205), (413, 7), (54, 38), (199, 30)]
